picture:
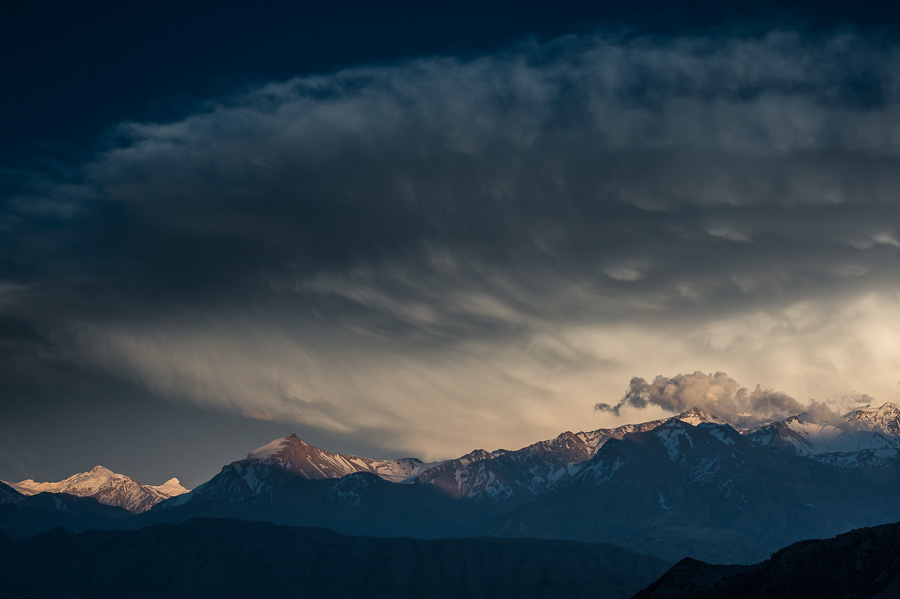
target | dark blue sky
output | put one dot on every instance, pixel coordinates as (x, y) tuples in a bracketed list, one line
[(73, 71), (417, 229)]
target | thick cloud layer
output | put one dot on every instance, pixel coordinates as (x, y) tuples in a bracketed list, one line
[(716, 394), (430, 254)]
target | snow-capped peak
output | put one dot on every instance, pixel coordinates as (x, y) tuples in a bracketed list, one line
[(170, 488), (695, 416), (298, 457), (811, 438), (107, 487), (885, 419), (273, 448), (83, 483)]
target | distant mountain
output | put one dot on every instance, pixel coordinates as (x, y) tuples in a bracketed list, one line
[(289, 481), (228, 558), (500, 476), (308, 461), (861, 564), (690, 485), (705, 491), (523, 474), (809, 438), (286, 459), (108, 488)]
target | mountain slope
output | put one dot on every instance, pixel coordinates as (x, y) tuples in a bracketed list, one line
[(686, 486), (862, 564), (500, 476), (285, 459), (521, 475), (227, 558), (9, 494), (809, 438), (359, 503), (309, 461), (108, 488), (703, 491), (41, 512)]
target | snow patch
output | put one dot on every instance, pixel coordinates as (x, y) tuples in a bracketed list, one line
[(720, 435), (671, 436), (269, 450)]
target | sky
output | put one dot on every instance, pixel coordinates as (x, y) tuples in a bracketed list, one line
[(401, 231)]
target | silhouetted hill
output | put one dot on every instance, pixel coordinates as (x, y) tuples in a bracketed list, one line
[(9, 495), (861, 564), (231, 558), (44, 511)]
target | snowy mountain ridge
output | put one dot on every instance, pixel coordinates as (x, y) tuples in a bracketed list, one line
[(519, 475), (107, 487), (309, 461), (808, 438), (885, 419), (689, 483), (496, 476), (515, 476)]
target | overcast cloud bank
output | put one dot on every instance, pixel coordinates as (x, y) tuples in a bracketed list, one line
[(409, 251)]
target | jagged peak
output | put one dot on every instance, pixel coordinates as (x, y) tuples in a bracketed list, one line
[(98, 474), (105, 486), (885, 419), (868, 408), (695, 416), (694, 412), (274, 447), (98, 469), (477, 453), (171, 488)]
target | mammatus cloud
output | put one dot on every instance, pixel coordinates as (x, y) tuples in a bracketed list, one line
[(401, 251), (716, 394)]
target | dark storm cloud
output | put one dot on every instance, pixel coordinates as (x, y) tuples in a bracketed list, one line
[(365, 248)]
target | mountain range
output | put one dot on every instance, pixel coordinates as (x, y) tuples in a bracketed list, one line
[(687, 486), (106, 487), (498, 475)]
